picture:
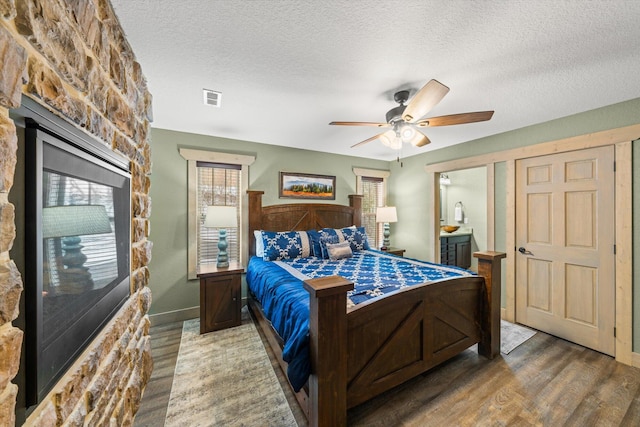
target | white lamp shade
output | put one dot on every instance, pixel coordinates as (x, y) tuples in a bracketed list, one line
[(407, 133), (74, 220), (390, 140), (386, 214), (221, 217)]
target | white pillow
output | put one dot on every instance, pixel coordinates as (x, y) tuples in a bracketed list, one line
[(259, 243)]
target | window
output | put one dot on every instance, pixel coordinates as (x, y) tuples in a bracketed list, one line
[(371, 184), (218, 185), (372, 190), (215, 179)]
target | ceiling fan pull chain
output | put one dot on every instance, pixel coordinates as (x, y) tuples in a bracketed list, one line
[(398, 158)]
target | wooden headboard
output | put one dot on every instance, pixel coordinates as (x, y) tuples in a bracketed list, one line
[(300, 216)]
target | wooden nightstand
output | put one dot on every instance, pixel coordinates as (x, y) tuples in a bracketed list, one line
[(220, 297), (394, 251)]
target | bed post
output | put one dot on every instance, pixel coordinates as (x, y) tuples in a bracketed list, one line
[(255, 217), (355, 201), (328, 350), (489, 267)]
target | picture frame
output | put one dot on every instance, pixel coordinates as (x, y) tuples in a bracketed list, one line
[(294, 185)]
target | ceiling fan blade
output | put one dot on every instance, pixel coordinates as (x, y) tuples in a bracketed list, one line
[(420, 139), (373, 138), (380, 125), (456, 119), (424, 100)]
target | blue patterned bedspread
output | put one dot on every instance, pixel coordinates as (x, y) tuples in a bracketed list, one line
[(278, 286)]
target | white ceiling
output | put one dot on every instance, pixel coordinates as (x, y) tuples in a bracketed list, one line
[(287, 68)]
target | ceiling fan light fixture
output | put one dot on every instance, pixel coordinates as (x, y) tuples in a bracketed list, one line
[(407, 133), (390, 140)]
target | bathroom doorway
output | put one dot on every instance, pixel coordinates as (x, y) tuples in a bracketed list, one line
[(463, 203)]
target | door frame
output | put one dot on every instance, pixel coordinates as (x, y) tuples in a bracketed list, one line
[(621, 139)]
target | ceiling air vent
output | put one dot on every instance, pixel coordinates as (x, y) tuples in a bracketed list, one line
[(212, 97)]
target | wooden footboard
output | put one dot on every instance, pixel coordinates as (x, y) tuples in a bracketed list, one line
[(379, 344)]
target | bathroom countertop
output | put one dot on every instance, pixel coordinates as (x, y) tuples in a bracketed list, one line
[(459, 232)]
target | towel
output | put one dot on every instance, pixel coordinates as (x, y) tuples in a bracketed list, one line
[(458, 214)]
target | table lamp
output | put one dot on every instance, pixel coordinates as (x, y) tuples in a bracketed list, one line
[(221, 217), (386, 214)]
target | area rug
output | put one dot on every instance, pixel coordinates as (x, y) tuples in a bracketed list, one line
[(512, 336), (225, 378)]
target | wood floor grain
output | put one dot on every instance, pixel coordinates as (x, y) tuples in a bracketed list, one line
[(165, 343), (544, 382)]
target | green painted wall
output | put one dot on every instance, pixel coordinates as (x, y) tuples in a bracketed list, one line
[(411, 195), (171, 289)]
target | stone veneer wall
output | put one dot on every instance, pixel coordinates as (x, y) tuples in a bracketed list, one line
[(73, 58)]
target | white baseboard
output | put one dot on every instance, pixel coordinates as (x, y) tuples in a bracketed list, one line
[(174, 316), (178, 315)]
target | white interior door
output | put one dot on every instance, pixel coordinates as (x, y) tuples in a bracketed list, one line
[(565, 267)]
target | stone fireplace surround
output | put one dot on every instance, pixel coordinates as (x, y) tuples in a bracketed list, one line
[(73, 58)]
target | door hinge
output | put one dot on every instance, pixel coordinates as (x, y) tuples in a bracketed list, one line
[(615, 331), (614, 249), (614, 166)]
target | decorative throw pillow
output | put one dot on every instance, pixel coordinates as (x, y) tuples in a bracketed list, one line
[(357, 238), (315, 236), (324, 241), (338, 251), (285, 244)]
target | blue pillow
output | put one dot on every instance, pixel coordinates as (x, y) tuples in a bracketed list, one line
[(324, 242), (315, 236), (285, 244), (357, 238)]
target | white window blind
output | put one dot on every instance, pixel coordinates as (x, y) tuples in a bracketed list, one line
[(373, 196), (218, 185)]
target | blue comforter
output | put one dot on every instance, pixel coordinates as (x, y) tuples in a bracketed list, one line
[(278, 287)]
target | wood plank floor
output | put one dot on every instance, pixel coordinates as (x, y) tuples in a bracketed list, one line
[(544, 382), (165, 343)]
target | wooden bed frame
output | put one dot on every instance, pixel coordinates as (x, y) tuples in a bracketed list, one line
[(361, 352)]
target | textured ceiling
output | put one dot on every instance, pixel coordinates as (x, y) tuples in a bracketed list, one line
[(287, 68)]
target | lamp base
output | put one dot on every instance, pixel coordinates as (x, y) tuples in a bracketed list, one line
[(223, 258), (386, 233)]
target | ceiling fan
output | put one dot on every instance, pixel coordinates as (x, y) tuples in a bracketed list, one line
[(405, 120)]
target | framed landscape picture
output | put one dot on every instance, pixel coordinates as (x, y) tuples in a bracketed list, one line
[(307, 186)]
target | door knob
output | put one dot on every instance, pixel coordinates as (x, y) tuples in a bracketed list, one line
[(523, 251)]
